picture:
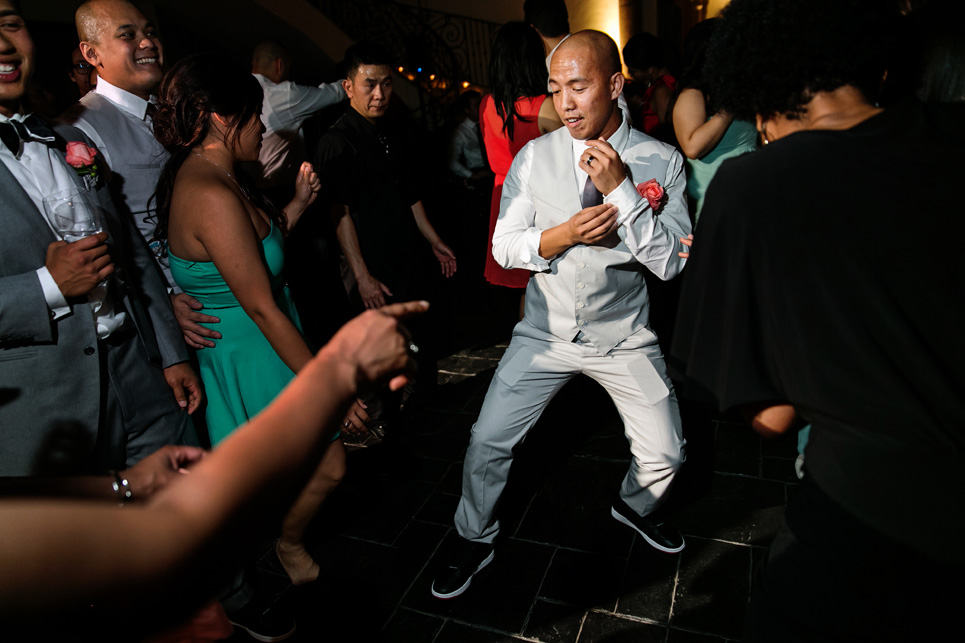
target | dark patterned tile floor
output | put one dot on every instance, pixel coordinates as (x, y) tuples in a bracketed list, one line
[(565, 572)]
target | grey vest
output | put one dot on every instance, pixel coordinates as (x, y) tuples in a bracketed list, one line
[(135, 155), (599, 289)]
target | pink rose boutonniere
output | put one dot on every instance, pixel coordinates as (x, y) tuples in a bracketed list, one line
[(652, 192), (83, 158)]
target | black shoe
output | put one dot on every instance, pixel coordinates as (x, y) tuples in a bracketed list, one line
[(263, 623), (657, 533), (467, 559)]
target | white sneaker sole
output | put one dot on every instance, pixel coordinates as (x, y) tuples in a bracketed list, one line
[(263, 637), (621, 518), (465, 585)]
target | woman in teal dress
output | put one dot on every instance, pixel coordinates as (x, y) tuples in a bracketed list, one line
[(707, 137), (226, 248)]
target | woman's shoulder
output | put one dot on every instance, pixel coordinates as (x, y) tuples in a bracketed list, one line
[(529, 105), (202, 190)]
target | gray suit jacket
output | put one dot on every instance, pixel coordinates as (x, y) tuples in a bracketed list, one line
[(50, 370)]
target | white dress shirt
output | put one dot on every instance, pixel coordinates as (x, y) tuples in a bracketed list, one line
[(465, 152), (41, 171), (594, 289), (516, 210), (286, 108)]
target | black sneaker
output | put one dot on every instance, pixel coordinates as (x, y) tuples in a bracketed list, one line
[(467, 559), (263, 623), (657, 533)]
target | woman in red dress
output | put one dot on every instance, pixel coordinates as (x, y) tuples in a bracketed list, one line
[(515, 113)]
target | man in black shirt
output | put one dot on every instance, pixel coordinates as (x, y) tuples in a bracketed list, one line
[(377, 209)]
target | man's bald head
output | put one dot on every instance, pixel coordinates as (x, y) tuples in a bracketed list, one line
[(586, 80), (121, 43), (598, 46), (270, 59), (92, 18)]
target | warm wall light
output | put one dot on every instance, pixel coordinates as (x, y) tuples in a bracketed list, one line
[(602, 15), (465, 84), (432, 76), (401, 69)]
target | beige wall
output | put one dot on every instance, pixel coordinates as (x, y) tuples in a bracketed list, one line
[(584, 14), (714, 7)]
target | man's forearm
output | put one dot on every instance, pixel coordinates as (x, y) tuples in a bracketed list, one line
[(348, 239), (422, 222), (554, 240)]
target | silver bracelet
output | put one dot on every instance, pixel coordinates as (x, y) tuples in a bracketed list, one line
[(122, 488)]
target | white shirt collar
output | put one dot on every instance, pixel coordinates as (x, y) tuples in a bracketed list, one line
[(130, 103), (264, 80), (617, 140)]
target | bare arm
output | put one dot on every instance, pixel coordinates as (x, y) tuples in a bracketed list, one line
[(307, 186), (660, 102), (170, 550), (548, 119), (771, 420), (231, 241), (371, 290), (446, 257), (696, 134)]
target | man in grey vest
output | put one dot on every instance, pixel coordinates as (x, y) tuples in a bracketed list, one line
[(124, 48), (586, 303), (88, 340)]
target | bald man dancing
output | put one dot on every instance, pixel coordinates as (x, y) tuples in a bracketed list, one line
[(586, 303)]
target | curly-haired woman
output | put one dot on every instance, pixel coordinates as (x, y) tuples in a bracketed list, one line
[(814, 293)]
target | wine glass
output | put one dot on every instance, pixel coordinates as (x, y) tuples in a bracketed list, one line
[(73, 214)]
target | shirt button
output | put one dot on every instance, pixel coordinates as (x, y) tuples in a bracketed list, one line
[(582, 322), (580, 305), (581, 285), (581, 265), (89, 350)]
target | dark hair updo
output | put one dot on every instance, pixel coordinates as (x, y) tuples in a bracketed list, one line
[(193, 89)]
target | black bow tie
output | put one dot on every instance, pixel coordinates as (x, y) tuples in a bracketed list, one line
[(33, 128)]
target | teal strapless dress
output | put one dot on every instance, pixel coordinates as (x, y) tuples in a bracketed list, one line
[(242, 374)]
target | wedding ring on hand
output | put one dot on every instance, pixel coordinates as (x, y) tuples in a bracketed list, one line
[(346, 423), (589, 160)]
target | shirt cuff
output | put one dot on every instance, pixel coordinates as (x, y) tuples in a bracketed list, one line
[(627, 199), (530, 253), (55, 299)]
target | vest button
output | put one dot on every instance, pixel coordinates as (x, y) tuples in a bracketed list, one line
[(89, 350)]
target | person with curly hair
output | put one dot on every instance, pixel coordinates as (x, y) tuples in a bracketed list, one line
[(827, 311), (707, 136)]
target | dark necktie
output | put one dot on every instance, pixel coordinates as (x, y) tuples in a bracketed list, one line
[(15, 133), (591, 196)]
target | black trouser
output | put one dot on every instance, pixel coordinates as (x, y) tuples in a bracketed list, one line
[(830, 577)]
